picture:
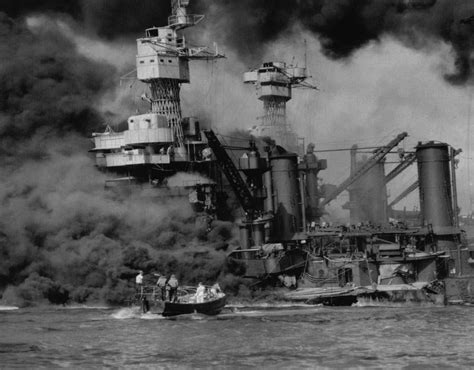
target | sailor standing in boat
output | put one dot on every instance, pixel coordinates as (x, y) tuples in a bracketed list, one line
[(161, 283), (215, 290), (173, 288), (139, 282), (200, 293)]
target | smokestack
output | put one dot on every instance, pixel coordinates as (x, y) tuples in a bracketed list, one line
[(368, 195), (435, 185), (287, 220)]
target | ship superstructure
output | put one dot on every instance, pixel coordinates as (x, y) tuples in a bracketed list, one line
[(274, 82), (344, 264), (161, 142)]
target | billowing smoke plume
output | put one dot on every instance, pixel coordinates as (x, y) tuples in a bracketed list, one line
[(109, 19), (48, 91), (61, 235), (344, 26)]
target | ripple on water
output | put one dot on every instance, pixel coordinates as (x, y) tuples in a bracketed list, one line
[(248, 337), (18, 348)]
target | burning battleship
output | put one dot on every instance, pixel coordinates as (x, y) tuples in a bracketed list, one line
[(160, 142), (374, 259), (283, 240)]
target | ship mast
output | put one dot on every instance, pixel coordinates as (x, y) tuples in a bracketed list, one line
[(160, 142), (163, 64)]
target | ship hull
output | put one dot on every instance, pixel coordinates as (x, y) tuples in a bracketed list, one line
[(417, 293)]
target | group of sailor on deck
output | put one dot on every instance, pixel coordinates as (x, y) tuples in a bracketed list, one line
[(168, 288), (203, 293)]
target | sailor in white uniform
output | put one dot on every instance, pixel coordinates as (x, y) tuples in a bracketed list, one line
[(200, 293)]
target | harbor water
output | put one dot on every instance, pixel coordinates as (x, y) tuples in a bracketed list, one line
[(260, 336)]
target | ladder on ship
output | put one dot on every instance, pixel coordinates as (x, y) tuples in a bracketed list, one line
[(231, 172)]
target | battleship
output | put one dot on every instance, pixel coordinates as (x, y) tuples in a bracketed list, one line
[(285, 244)]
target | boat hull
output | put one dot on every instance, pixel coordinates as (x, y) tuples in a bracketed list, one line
[(212, 307)]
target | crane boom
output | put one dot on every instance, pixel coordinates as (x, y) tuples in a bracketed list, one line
[(407, 161), (407, 191), (372, 161), (231, 172)]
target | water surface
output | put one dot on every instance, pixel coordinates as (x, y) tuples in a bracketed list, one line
[(242, 336)]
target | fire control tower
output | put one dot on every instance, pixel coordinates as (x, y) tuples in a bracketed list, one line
[(163, 64), (160, 136), (274, 82)]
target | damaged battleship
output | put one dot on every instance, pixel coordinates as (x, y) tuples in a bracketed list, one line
[(376, 259), (283, 238)]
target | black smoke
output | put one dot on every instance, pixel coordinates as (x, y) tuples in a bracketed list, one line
[(47, 90), (344, 26), (62, 237), (107, 18), (26, 7)]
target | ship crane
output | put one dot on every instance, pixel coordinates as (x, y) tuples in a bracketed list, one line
[(232, 173), (406, 162), (372, 161), (405, 193), (407, 159)]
